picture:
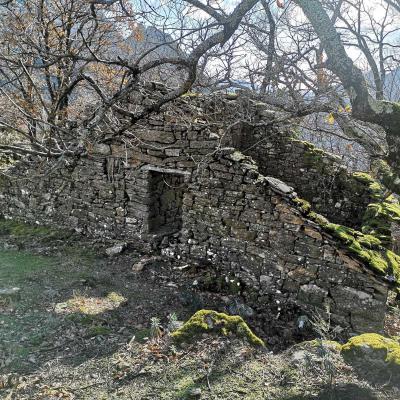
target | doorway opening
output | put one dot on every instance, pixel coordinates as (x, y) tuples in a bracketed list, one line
[(166, 200)]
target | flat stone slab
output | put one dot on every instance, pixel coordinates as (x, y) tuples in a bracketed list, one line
[(279, 185)]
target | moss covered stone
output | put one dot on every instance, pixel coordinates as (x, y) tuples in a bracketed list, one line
[(368, 248), (386, 175), (208, 321), (304, 205), (373, 243), (390, 348), (382, 212), (371, 352)]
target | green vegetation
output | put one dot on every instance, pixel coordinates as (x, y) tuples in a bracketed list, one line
[(16, 267), (208, 321), (98, 330), (26, 236), (374, 356), (383, 210), (381, 213), (386, 175), (29, 320), (22, 230), (304, 205), (372, 244), (366, 247), (385, 348), (369, 249)]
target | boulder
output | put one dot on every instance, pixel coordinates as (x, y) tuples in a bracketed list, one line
[(374, 357)]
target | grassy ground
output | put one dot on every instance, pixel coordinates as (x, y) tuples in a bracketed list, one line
[(81, 329), (28, 323)]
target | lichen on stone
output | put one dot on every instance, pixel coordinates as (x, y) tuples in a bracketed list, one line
[(237, 156), (209, 321)]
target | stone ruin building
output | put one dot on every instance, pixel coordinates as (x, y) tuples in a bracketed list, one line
[(282, 221)]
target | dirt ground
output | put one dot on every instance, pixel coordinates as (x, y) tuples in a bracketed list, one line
[(82, 326)]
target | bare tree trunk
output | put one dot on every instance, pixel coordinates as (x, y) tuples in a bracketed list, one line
[(394, 3), (271, 48), (365, 107)]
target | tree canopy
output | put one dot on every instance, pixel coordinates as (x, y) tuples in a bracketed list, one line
[(65, 65)]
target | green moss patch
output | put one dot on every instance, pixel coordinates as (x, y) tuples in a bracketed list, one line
[(304, 205), (22, 230), (372, 244), (368, 248), (389, 348), (17, 267), (383, 209), (373, 353), (386, 175), (208, 321), (382, 212)]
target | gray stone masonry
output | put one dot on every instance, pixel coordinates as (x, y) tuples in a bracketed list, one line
[(175, 178)]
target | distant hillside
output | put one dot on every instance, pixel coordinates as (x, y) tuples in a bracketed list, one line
[(159, 45)]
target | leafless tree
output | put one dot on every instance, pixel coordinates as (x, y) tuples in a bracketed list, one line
[(365, 107), (64, 68), (60, 53)]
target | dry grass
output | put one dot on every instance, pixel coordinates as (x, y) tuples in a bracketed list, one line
[(83, 304)]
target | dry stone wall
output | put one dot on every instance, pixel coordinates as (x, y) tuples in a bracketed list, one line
[(171, 177), (83, 196), (124, 191), (317, 176), (248, 226)]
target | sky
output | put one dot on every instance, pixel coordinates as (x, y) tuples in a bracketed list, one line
[(377, 11)]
